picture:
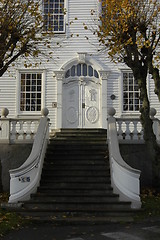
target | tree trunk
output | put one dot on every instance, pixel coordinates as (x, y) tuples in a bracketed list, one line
[(1, 186), (147, 123)]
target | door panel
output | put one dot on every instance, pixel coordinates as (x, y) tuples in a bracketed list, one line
[(71, 111), (81, 104), (92, 105)]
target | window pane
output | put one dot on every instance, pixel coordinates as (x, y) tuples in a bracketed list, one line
[(131, 88), (53, 14), (95, 73), (90, 70), (31, 92), (38, 88), (81, 70), (84, 70), (67, 74), (73, 71), (28, 89), (131, 93)]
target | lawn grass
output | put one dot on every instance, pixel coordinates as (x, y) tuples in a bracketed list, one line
[(150, 204), (8, 220)]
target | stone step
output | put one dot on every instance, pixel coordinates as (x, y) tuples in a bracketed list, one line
[(73, 188), (72, 219), (71, 182), (78, 138), (74, 151), (77, 167), (82, 130), (86, 220), (77, 206), (81, 159), (73, 192), (85, 147), (80, 142), (84, 162), (83, 173), (80, 179), (78, 185), (66, 156), (73, 198)]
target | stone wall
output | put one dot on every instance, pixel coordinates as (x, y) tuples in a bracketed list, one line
[(136, 156), (11, 157)]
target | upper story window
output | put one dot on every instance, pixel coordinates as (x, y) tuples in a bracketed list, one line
[(53, 13), (30, 92), (131, 93), (82, 69)]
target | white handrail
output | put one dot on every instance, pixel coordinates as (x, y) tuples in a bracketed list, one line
[(124, 179), (25, 179)]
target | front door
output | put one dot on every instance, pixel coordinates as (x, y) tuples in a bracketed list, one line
[(81, 103)]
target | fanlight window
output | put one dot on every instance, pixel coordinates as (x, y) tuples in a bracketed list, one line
[(82, 69)]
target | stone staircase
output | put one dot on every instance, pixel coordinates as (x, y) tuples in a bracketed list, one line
[(75, 185)]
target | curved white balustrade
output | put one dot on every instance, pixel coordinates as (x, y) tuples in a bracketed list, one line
[(25, 179), (23, 130), (129, 129), (124, 179)]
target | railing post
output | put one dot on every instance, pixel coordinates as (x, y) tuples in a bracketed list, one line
[(124, 179), (4, 126), (25, 179)]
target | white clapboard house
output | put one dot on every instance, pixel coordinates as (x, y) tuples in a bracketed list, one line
[(79, 86)]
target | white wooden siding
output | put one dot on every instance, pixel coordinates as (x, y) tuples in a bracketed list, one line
[(153, 98), (72, 42)]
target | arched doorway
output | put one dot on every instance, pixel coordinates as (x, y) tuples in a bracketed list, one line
[(81, 97), (81, 93)]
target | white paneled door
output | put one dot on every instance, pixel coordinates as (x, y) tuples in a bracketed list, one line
[(81, 103)]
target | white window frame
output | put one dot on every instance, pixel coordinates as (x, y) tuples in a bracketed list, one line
[(18, 93), (127, 112), (64, 21)]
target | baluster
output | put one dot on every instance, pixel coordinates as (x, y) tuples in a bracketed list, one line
[(135, 131), (127, 132), (120, 132), (140, 130), (13, 130), (35, 125), (21, 130), (28, 131)]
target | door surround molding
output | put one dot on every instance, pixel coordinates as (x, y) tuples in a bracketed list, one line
[(103, 76)]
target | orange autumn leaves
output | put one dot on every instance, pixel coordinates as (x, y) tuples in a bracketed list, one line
[(128, 23)]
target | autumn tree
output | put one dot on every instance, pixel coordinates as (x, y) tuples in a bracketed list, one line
[(130, 32), (21, 23)]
